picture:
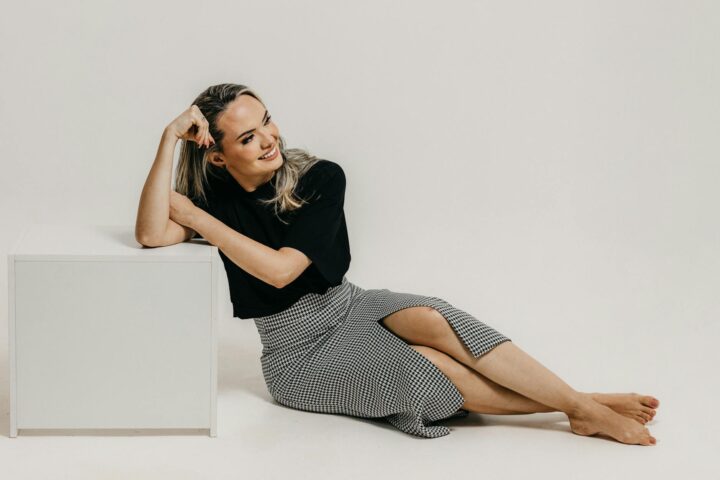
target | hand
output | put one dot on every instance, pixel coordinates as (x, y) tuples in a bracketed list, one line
[(192, 125), (182, 209)]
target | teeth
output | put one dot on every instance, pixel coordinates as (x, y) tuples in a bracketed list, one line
[(269, 154)]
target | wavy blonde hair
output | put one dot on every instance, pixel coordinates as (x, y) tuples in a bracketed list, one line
[(193, 169)]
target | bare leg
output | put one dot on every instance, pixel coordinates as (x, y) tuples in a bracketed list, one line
[(505, 364), (481, 394), (509, 366)]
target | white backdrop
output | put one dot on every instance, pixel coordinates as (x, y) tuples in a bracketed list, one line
[(551, 167)]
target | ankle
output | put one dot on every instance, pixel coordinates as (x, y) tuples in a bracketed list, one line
[(595, 396), (579, 404)]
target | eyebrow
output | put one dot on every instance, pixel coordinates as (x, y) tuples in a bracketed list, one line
[(252, 129)]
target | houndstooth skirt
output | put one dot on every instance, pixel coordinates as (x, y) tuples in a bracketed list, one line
[(328, 353)]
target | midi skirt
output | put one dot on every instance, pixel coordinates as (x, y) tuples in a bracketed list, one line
[(328, 353)]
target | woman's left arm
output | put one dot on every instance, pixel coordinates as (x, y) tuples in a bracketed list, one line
[(262, 262)]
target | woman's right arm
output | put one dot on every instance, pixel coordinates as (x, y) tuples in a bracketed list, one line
[(153, 226)]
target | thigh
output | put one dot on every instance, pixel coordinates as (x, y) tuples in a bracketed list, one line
[(418, 325)]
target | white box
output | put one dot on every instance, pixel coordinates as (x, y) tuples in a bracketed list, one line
[(107, 334)]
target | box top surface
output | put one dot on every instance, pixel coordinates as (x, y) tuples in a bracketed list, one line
[(101, 241)]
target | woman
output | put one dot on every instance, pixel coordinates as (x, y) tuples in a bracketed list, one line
[(276, 216)]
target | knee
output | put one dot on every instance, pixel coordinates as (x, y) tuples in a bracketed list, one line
[(436, 324)]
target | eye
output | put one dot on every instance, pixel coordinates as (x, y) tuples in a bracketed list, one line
[(249, 138)]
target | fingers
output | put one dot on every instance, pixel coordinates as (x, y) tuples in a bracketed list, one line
[(208, 138), (202, 132), (202, 136)]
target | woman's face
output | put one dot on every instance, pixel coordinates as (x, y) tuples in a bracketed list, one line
[(249, 134)]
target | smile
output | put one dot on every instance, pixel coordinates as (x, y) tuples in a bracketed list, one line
[(271, 154)]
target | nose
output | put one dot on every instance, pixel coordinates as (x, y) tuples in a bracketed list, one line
[(268, 138)]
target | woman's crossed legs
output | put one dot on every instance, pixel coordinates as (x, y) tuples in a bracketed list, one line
[(506, 380)]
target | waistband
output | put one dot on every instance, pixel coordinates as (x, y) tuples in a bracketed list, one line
[(310, 302)]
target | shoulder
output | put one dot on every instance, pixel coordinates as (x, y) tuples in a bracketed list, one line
[(323, 175), (324, 170)]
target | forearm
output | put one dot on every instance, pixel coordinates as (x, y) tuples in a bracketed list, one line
[(154, 208), (260, 261)]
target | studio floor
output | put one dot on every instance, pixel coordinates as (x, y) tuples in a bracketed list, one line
[(258, 438)]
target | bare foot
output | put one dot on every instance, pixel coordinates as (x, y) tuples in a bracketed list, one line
[(640, 408), (593, 418)]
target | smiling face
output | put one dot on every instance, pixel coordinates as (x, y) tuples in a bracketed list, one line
[(248, 134)]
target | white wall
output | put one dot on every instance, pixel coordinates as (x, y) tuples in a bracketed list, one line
[(551, 167)]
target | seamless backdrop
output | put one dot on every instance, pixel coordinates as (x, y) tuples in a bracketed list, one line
[(551, 167)]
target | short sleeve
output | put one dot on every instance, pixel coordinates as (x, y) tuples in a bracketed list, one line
[(318, 230)]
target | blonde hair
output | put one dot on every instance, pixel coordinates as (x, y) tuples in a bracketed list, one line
[(193, 169)]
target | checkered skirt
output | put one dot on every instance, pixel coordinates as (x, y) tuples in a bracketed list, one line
[(328, 353)]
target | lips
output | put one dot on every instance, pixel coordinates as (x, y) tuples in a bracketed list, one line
[(269, 154)]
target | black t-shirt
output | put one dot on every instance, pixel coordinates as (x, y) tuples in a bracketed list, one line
[(317, 229)]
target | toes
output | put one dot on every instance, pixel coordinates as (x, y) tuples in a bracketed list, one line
[(650, 401), (649, 437), (647, 410)]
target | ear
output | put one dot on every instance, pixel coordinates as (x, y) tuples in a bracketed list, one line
[(216, 159)]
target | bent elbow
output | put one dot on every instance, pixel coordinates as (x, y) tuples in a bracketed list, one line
[(284, 278), (144, 240), (280, 282)]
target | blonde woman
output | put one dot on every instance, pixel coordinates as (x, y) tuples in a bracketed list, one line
[(276, 215)]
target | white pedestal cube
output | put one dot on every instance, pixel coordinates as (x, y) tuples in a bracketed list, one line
[(107, 334)]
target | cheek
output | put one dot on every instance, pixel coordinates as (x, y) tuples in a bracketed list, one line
[(240, 151)]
